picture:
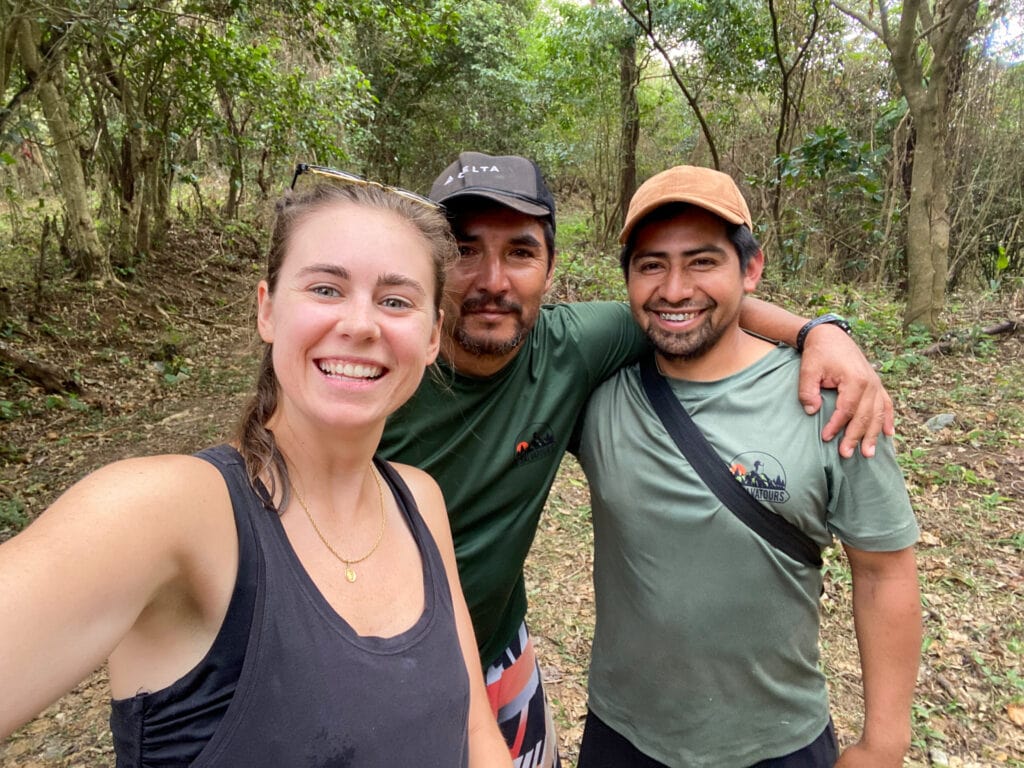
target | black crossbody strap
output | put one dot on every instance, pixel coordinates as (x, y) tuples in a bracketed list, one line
[(773, 528)]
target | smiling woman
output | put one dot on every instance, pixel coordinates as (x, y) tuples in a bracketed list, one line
[(356, 339), (257, 580)]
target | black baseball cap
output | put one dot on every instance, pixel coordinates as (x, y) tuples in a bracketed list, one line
[(510, 180)]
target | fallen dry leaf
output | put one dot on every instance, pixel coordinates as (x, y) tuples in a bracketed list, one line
[(1016, 714)]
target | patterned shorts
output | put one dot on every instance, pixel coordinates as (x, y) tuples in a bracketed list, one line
[(517, 699)]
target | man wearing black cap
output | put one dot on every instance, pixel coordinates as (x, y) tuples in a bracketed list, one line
[(706, 645), (493, 426)]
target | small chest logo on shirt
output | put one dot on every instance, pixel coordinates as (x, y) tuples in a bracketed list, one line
[(762, 475), (533, 442)]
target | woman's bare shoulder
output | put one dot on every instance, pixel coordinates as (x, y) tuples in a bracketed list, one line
[(165, 492), (429, 499), (419, 482)]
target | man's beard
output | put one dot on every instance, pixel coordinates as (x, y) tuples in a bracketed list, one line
[(683, 347), (488, 347), (484, 346)]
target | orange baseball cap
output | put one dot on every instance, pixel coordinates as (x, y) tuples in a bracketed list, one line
[(703, 187)]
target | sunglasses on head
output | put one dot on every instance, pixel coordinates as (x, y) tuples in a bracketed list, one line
[(343, 177)]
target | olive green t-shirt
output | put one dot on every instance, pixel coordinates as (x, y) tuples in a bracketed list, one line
[(494, 445), (706, 645)]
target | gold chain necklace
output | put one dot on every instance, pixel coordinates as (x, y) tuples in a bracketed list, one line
[(348, 563)]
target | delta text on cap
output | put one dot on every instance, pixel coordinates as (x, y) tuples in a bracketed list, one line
[(703, 187), (509, 179)]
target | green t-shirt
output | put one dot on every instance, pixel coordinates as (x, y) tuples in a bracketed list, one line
[(706, 645), (494, 446)]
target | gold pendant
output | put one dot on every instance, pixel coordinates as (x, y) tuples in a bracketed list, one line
[(350, 575)]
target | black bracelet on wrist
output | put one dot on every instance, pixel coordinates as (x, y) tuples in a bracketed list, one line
[(829, 318)]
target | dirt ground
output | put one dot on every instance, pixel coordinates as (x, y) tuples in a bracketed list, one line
[(164, 363)]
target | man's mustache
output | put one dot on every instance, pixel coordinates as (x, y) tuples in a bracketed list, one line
[(486, 301)]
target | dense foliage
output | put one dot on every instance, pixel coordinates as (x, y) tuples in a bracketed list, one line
[(120, 118)]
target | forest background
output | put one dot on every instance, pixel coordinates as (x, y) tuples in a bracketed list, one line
[(879, 145)]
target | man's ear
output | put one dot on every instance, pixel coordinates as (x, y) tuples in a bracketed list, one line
[(752, 275), (551, 271)]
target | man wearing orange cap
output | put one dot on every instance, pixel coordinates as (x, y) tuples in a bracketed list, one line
[(706, 645)]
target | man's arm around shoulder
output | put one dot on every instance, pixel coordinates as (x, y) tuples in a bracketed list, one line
[(831, 360)]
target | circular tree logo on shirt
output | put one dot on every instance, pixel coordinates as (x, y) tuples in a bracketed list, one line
[(762, 475), (533, 442)]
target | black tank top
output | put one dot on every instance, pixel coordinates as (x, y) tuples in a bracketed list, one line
[(288, 682)]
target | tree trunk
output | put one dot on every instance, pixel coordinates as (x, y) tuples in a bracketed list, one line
[(148, 193), (928, 203), (8, 44), (927, 229), (927, 223), (158, 201), (143, 230), (162, 184), (923, 62), (91, 261), (630, 135), (130, 183), (236, 177)]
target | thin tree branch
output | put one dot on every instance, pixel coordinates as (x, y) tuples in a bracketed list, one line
[(860, 18), (648, 29)]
